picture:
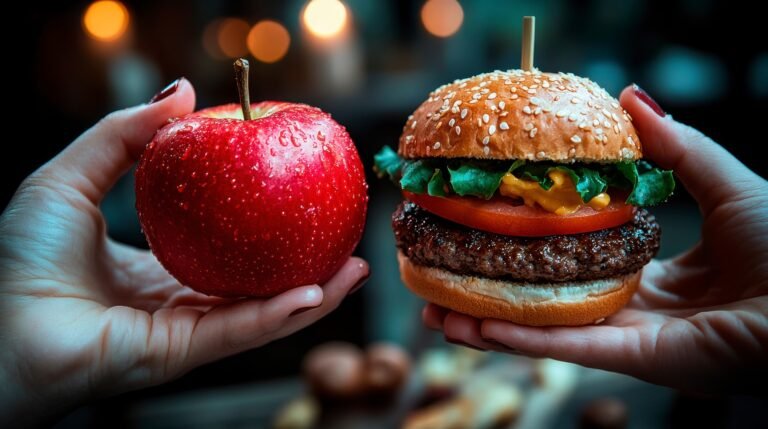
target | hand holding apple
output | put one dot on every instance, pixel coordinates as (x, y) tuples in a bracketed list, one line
[(254, 207)]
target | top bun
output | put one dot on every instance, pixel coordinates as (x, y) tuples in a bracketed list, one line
[(521, 115)]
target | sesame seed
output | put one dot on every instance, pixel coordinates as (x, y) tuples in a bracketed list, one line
[(408, 139), (458, 130), (575, 139), (535, 101), (486, 140), (528, 126), (476, 96), (630, 141), (615, 105), (546, 109), (455, 109), (606, 113), (595, 122), (485, 91), (537, 111), (486, 118), (573, 117), (557, 98), (504, 126), (614, 117), (584, 126), (545, 84), (590, 103), (626, 153), (474, 88), (413, 125), (525, 87), (503, 114), (527, 110), (502, 105), (572, 151), (486, 150), (452, 122), (575, 100), (561, 113), (514, 96), (533, 132), (598, 131), (464, 113), (491, 96), (479, 122), (541, 155), (482, 84), (492, 129), (513, 89), (472, 101), (606, 124), (531, 91), (436, 146)]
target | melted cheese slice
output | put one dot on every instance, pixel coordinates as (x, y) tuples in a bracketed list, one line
[(561, 199)]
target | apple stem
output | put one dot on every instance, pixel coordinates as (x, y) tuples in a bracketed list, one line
[(241, 78)]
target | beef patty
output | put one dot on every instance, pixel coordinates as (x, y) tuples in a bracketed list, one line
[(433, 241)]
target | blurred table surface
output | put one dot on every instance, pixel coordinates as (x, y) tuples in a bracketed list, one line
[(255, 405)]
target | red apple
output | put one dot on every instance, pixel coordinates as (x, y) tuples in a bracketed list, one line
[(252, 208)]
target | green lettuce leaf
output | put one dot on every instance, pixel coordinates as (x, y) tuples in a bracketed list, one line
[(470, 179), (387, 163), (650, 185), (436, 186)]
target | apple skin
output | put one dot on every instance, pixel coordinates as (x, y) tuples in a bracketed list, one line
[(252, 208)]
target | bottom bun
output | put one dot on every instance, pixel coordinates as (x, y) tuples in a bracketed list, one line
[(534, 304)]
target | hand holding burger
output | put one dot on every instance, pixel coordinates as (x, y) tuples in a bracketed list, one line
[(697, 321)]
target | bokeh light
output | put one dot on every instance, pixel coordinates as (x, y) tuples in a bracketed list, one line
[(442, 18), (231, 36), (325, 18), (106, 20), (268, 41)]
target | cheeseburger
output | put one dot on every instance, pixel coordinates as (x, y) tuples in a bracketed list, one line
[(524, 195)]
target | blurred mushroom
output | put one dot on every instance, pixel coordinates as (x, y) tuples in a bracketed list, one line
[(335, 370), (387, 368)]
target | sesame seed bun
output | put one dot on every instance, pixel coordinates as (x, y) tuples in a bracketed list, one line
[(540, 304), (521, 115)]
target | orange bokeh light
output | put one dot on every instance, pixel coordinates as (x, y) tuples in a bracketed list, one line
[(268, 41), (106, 20), (442, 18), (231, 36)]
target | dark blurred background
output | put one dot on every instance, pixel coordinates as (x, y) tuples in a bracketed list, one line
[(370, 64)]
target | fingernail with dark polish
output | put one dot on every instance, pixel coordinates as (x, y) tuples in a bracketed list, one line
[(359, 284), (642, 95), (166, 92), (462, 343), (302, 310), (501, 347)]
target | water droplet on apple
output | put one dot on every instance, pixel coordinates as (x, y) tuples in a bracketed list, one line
[(284, 137), (181, 186), (184, 205), (193, 174)]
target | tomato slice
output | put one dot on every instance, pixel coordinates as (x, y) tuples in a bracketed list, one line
[(501, 216)]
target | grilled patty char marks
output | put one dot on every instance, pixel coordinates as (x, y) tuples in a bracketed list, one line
[(433, 241)]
